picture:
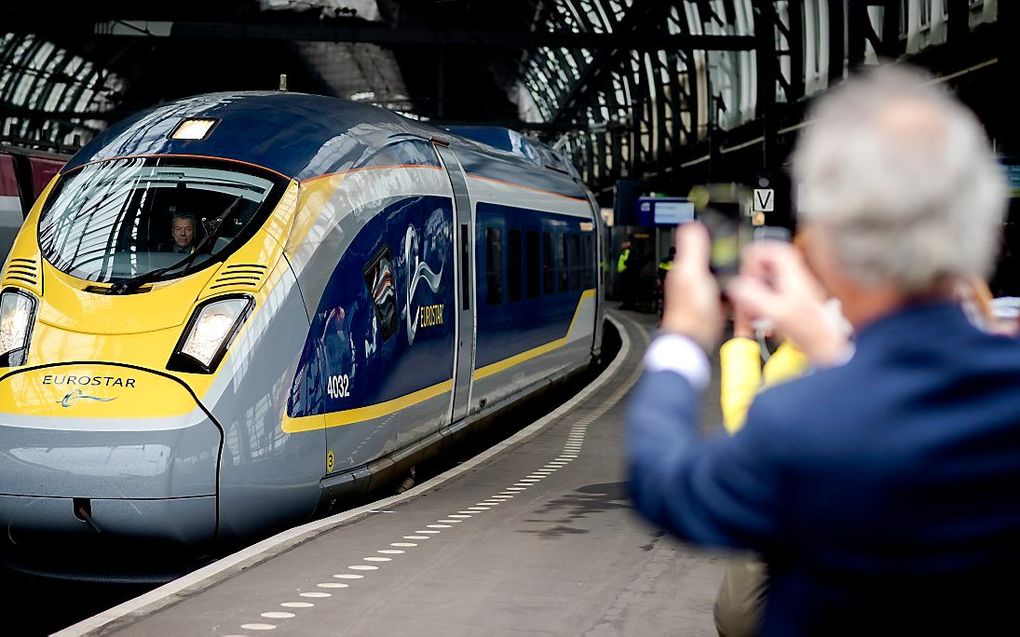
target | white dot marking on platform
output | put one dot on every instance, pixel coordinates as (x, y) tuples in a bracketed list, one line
[(315, 594), (450, 521), (297, 604), (374, 558), (278, 614), (348, 576), (391, 551), (516, 488), (363, 567), (332, 585), (402, 544), (438, 526), (477, 508), (419, 537), (258, 626), (460, 515)]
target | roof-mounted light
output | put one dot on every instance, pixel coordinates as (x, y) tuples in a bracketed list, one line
[(194, 129)]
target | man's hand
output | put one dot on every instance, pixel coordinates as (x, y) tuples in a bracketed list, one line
[(691, 304), (776, 284)]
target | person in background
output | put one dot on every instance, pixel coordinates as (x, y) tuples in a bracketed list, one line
[(665, 265), (625, 268), (881, 488)]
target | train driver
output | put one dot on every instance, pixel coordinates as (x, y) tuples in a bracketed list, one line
[(182, 231)]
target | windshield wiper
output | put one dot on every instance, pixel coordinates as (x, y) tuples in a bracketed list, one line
[(127, 286)]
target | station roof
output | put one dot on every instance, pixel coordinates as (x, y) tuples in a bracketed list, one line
[(625, 88)]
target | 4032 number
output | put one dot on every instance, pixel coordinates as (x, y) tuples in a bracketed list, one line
[(339, 386)]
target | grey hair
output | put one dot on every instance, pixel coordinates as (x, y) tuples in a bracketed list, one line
[(185, 215), (902, 177)]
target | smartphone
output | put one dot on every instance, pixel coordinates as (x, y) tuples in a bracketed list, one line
[(729, 232)]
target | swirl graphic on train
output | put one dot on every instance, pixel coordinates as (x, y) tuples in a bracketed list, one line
[(418, 271)]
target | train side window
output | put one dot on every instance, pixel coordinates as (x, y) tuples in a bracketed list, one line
[(564, 264), (575, 261), (588, 262), (548, 263), (379, 282), (514, 266), (533, 264), (494, 265)]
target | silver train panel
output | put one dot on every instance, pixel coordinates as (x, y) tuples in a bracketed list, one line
[(266, 476)]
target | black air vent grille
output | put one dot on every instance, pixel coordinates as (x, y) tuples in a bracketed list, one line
[(24, 271), (240, 276)]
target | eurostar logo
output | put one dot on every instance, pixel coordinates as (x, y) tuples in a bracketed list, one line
[(418, 271), (75, 395)]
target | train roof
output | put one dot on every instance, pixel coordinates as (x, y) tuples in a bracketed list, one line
[(303, 136)]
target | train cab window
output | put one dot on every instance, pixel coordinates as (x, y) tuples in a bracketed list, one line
[(533, 261), (379, 282), (114, 220), (575, 261), (564, 264), (588, 262), (548, 263), (494, 265), (514, 265)]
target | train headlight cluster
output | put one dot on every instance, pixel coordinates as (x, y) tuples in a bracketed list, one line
[(209, 334), (17, 316)]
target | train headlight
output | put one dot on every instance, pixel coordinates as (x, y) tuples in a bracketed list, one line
[(17, 316), (209, 334)]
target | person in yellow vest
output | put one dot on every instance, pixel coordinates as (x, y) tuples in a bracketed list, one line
[(742, 593), (625, 277), (665, 265), (621, 262)]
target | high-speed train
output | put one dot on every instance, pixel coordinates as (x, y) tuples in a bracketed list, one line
[(229, 312)]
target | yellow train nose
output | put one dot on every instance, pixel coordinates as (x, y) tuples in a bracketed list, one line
[(94, 391)]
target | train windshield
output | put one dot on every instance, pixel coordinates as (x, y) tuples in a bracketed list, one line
[(154, 217)]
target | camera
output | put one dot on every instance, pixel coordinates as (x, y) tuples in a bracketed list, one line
[(729, 234)]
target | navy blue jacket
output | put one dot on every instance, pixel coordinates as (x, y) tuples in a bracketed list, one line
[(884, 494)]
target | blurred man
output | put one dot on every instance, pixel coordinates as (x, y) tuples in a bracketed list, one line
[(881, 488)]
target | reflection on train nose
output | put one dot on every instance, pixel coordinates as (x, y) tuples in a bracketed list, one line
[(139, 461)]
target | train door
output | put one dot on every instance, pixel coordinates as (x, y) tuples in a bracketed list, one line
[(464, 356)]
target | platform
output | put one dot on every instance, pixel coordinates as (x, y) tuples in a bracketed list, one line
[(534, 537)]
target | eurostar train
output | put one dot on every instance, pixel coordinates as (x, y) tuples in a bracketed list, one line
[(228, 312)]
